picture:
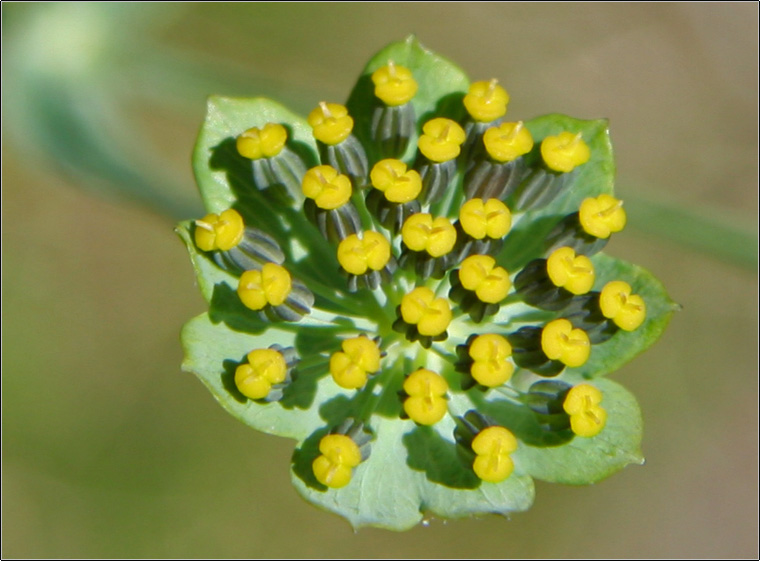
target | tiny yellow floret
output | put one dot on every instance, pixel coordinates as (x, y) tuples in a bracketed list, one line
[(394, 84), (221, 232), (486, 101), (441, 140), (358, 255), (327, 187), (602, 216), (265, 367), (572, 272), (339, 454), (627, 310), (490, 218), (587, 417), (262, 142), (271, 285), (480, 274), (421, 232), (431, 315), (492, 447), (426, 403), (359, 358), (560, 341), (392, 177), (565, 152), (331, 123), (508, 141), (490, 366)]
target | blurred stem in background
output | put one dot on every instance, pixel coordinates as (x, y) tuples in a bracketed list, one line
[(72, 70)]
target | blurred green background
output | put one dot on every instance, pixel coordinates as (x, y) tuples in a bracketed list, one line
[(110, 451)]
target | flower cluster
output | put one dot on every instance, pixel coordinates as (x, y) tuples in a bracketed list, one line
[(416, 279)]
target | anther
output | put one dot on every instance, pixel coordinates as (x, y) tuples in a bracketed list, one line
[(430, 315), (265, 372), (587, 417), (338, 456), (508, 141), (393, 120), (489, 353), (425, 403), (272, 163), (492, 448), (480, 219), (479, 274), (627, 310), (421, 232), (486, 101), (327, 187), (560, 341), (220, 232), (565, 151), (359, 357), (398, 184), (574, 273), (602, 216)]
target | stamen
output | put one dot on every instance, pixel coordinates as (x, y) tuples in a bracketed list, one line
[(609, 211), (491, 89), (443, 135)]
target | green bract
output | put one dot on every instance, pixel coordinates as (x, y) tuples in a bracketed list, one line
[(407, 468)]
